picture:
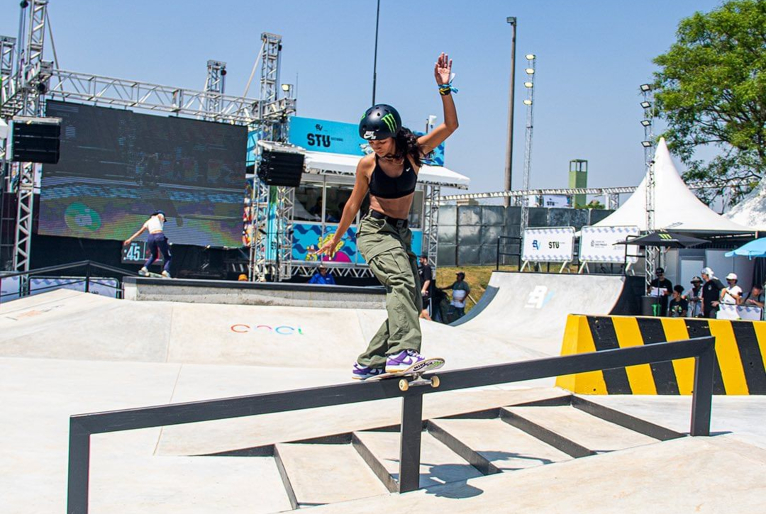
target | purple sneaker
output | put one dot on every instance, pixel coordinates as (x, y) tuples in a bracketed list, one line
[(406, 360), (363, 372)]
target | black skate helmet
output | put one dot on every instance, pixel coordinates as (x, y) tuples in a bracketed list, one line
[(381, 121)]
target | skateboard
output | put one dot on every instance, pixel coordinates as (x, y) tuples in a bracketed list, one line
[(413, 376), (153, 275)]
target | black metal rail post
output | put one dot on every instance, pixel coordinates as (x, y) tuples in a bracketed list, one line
[(409, 449), (497, 257), (77, 488), (702, 396), (87, 277)]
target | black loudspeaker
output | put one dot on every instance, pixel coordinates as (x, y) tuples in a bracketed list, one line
[(36, 142), (281, 168)]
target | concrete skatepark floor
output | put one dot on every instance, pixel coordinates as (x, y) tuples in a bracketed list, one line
[(64, 353)]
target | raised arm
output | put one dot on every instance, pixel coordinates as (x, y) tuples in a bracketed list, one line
[(131, 238), (361, 186), (442, 73)]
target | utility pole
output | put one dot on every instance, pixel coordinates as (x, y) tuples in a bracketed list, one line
[(509, 149), (375, 63)]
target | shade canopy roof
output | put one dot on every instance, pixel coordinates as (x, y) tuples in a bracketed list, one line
[(752, 249), (666, 240), (675, 206)]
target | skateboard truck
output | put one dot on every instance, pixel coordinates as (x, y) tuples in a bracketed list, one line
[(404, 383)]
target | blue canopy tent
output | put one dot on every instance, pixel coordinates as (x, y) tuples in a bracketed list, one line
[(752, 249)]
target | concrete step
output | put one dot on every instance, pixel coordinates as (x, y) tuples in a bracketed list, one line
[(492, 445), (438, 464), (317, 474), (573, 431)]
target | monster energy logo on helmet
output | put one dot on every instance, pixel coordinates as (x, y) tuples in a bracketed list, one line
[(380, 122)]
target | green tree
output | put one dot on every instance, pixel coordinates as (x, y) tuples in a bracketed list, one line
[(711, 90)]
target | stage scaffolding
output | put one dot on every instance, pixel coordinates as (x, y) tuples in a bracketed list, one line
[(28, 80)]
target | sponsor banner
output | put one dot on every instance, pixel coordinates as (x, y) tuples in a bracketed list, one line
[(326, 136), (343, 138), (599, 244), (548, 244)]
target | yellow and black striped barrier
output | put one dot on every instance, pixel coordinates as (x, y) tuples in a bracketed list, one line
[(740, 349)]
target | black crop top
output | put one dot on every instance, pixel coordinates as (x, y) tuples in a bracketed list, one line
[(383, 186)]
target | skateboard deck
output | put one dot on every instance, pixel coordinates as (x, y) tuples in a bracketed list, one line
[(412, 376), (153, 275)]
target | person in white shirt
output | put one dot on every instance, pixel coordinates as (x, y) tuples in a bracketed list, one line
[(731, 294), (156, 243)]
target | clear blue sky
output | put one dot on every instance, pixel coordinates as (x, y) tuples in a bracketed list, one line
[(592, 56)]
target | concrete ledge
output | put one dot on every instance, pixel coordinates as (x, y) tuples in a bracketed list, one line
[(250, 293)]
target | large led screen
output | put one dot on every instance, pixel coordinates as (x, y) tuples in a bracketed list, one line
[(118, 167)]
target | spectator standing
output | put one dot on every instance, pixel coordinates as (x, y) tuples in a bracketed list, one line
[(732, 293), (426, 285), (661, 287), (460, 291), (322, 276), (679, 306), (694, 297), (711, 293)]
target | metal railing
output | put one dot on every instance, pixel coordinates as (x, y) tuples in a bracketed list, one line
[(508, 246), (82, 426), (24, 289)]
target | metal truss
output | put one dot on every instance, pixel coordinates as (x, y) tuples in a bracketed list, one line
[(612, 201), (596, 191), (612, 192), (269, 94), (353, 270), (31, 83), (285, 210), (215, 86), (7, 48), (431, 223), (259, 214), (100, 90)]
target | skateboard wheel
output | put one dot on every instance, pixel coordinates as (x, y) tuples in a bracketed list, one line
[(403, 384), (435, 382)]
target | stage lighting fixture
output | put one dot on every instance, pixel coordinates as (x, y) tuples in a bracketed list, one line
[(530, 71), (527, 102), (530, 57), (528, 85), (286, 87), (646, 144), (646, 87), (646, 123), (645, 104)]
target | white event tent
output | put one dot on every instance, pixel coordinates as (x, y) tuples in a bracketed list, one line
[(676, 208), (751, 210)]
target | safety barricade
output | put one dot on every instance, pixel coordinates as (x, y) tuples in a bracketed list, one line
[(739, 366)]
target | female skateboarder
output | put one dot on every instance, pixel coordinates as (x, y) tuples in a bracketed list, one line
[(389, 174), (156, 243)]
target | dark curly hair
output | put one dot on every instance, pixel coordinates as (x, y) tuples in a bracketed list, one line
[(407, 144)]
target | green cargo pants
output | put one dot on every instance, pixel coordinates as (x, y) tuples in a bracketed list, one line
[(387, 251)]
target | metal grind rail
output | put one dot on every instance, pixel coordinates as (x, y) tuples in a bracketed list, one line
[(82, 426)]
